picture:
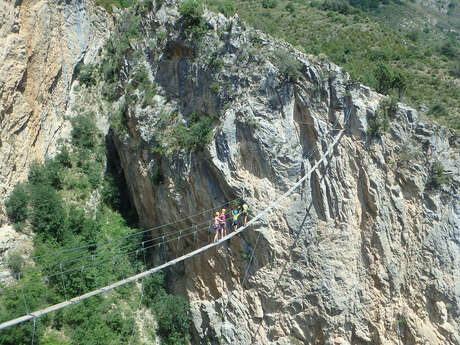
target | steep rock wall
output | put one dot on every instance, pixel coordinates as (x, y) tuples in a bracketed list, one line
[(363, 253), (42, 42)]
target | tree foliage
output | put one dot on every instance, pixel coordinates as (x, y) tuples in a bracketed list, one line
[(171, 312), (389, 79), (288, 65), (192, 14), (84, 131), (378, 124), (438, 176), (195, 134), (16, 204), (226, 8)]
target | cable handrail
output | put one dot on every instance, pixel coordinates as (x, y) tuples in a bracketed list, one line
[(138, 276), (128, 253), (125, 237), (106, 246)]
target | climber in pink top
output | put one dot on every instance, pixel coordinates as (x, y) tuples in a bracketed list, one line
[(216, 226), (223, 224)]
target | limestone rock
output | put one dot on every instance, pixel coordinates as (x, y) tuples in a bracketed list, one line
[(363, 253), (41, 44)]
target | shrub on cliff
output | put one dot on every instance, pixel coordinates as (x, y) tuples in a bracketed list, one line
[(438, 176), (192, 15), (390, 79), (85, 74), (288, 65), (196, 134), (84, 131), (378, 124), (16, 204)]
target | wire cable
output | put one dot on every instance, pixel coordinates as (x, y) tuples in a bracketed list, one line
[(119, 255), (127, 236), (95, 254), (181, 258)]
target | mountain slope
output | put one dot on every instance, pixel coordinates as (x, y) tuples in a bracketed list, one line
[(351, 257), (360, 41)]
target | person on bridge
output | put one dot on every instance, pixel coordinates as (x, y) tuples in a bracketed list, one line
[(245, 212), (223, 223), (216, 226), (235, 219)]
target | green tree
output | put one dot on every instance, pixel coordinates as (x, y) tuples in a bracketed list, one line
[(47, 214), (16, 204), (269, 3), (48, 173), (384, 76), (192, 15), (288, 65), (438, 176), (378, 124), (400, 82), (449, 50), (438, 110), (172, 312), (226, 8), (196, 134), (84, 131)]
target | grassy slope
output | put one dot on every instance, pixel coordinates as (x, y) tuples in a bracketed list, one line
[(357, 41)]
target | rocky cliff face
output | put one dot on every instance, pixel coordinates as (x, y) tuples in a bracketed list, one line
[(363, 253), (42, 42)]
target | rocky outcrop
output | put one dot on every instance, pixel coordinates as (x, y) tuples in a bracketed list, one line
[(363, 253), (42, 42), (13, 247)]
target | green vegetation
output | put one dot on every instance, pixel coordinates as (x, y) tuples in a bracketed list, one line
[(192, 15), (389, 79), (378, 124), (287, 65), (196, 134), (269, 3), (15, 262), (438, 110), (226, 8), (56, 204), (16, 204), (86, 74), (369, 39), (107, 4), (157, 177), (171, 312), (438, 176)]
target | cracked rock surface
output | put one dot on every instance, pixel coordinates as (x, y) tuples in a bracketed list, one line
[(363, 253)]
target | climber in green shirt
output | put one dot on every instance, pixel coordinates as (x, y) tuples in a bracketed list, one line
[(235, 216)]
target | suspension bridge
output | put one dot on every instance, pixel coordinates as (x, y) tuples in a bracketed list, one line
[(182, 233)]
